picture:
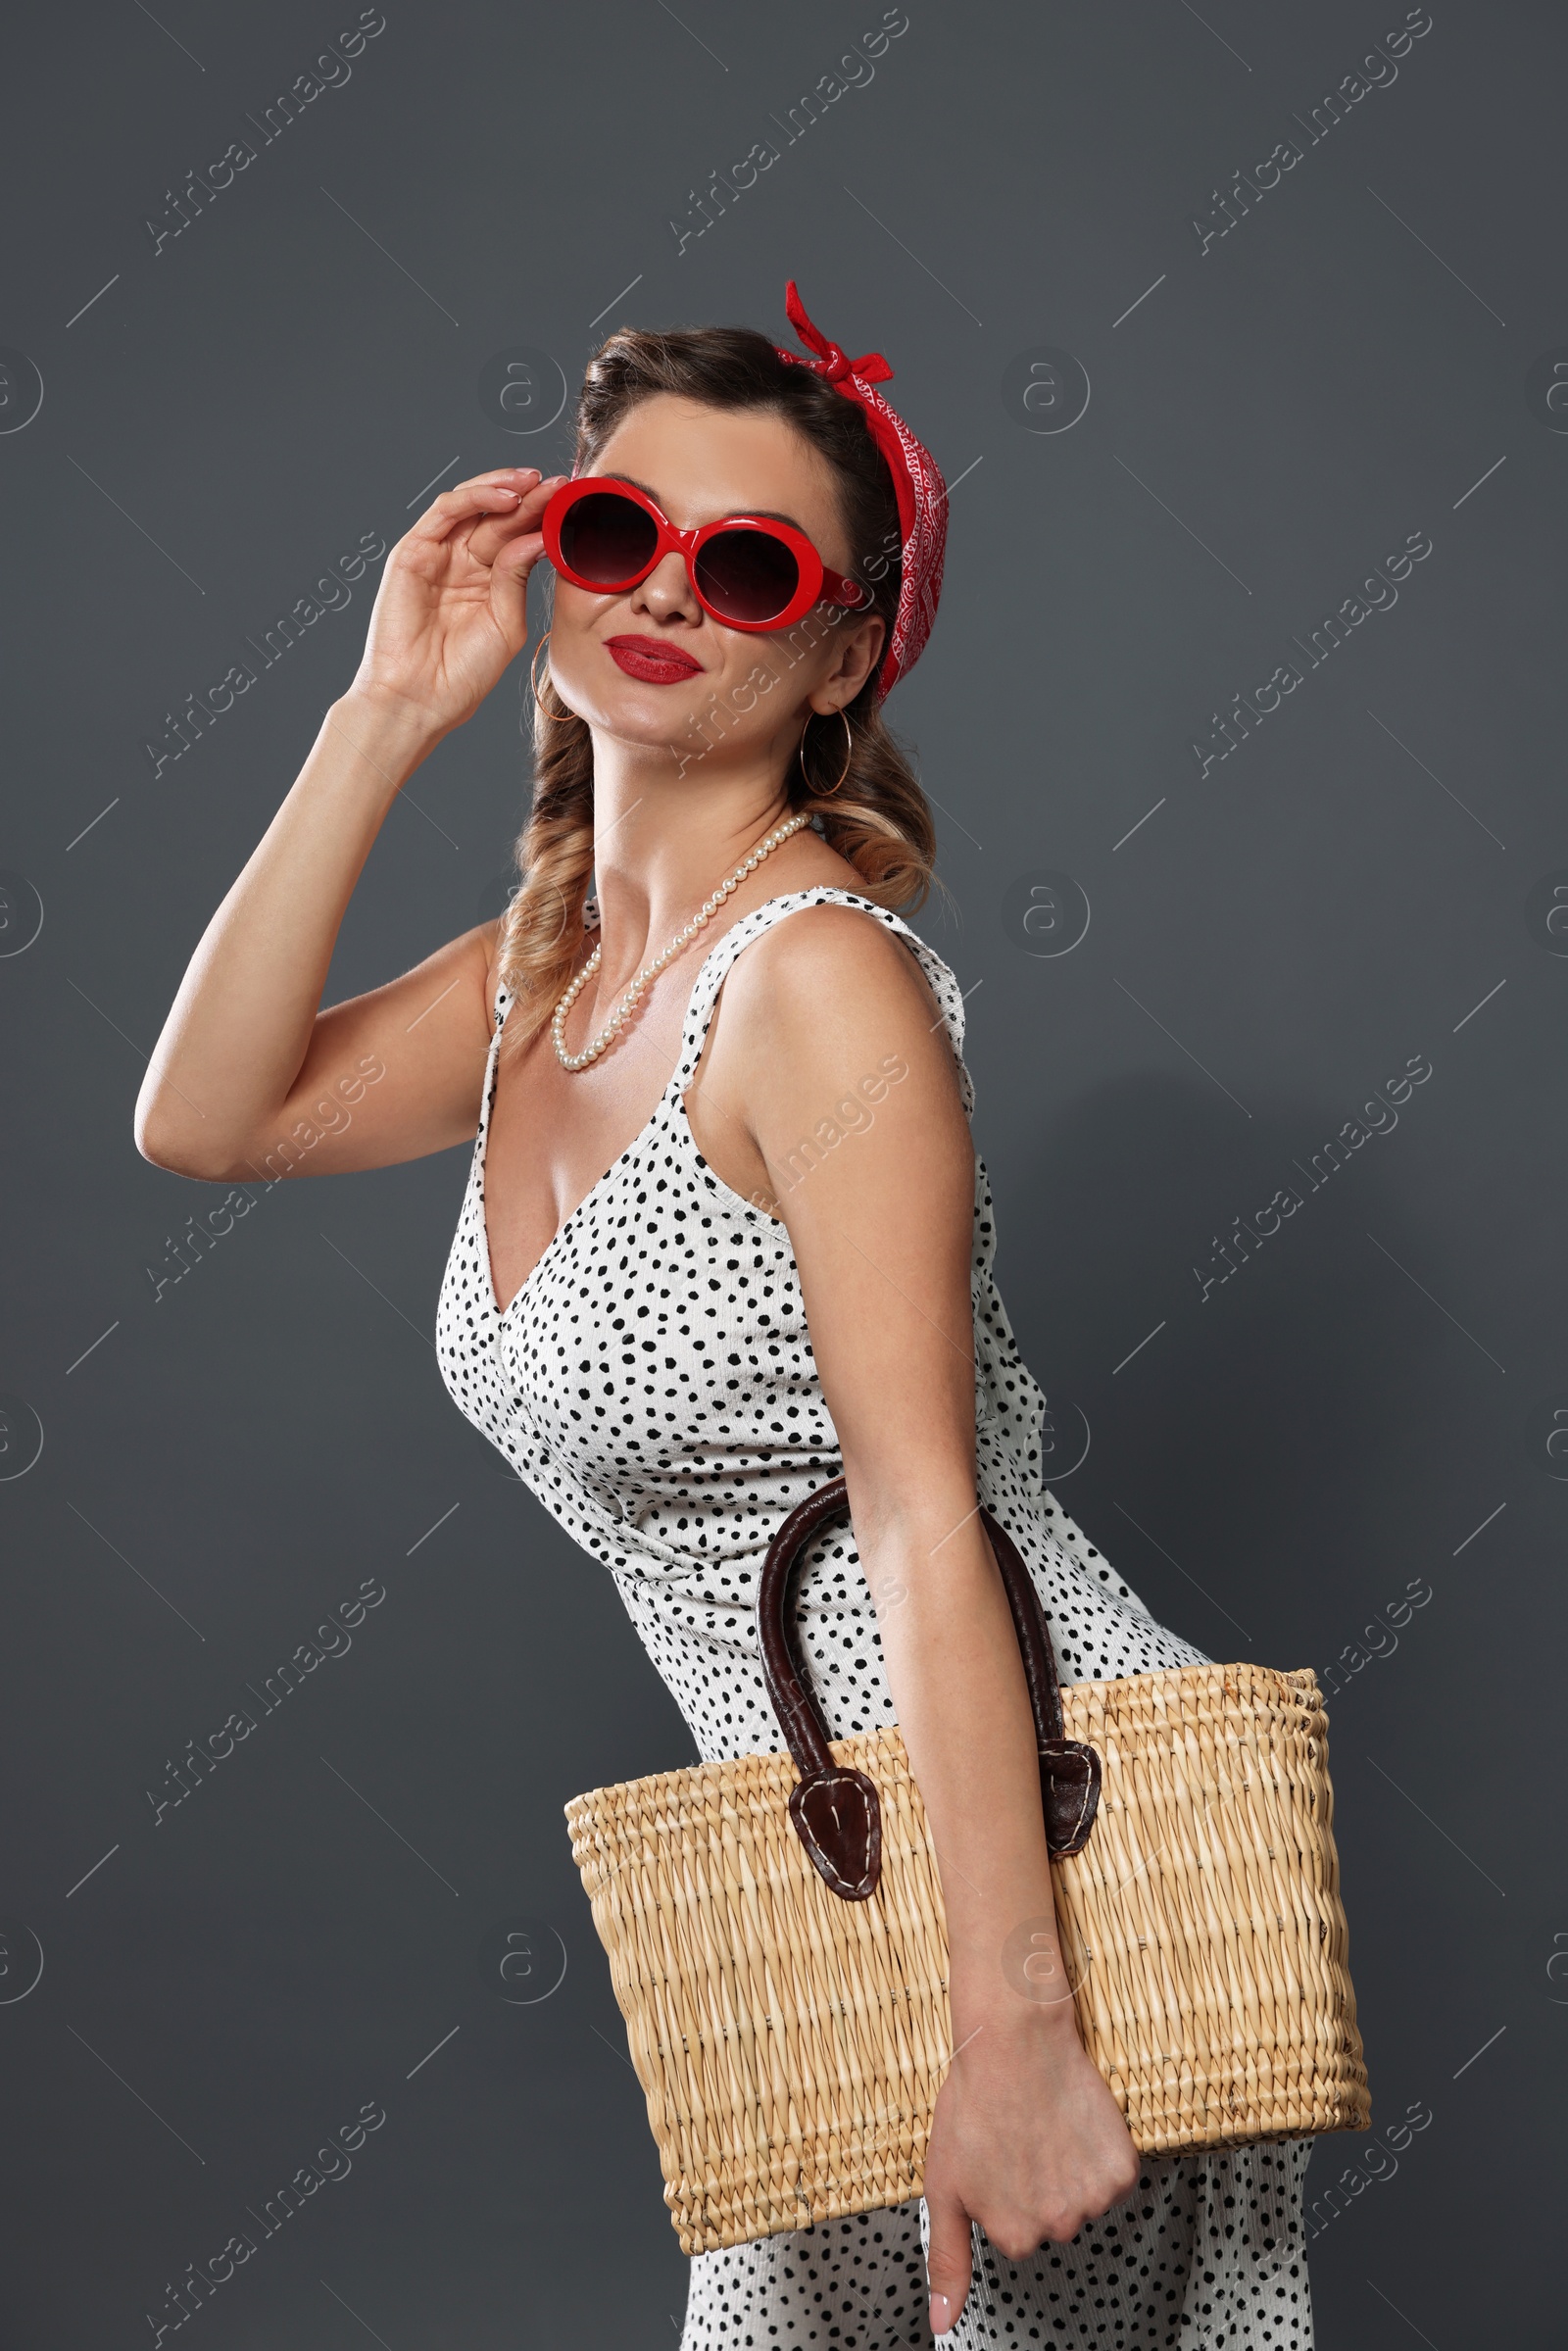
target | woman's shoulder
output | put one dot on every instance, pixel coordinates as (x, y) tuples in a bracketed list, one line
[(824, 937), (841, 975)]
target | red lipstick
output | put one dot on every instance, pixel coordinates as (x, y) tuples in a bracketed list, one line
[(652, 660)]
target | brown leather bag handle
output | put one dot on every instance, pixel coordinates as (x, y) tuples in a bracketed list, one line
[(836, 1812)]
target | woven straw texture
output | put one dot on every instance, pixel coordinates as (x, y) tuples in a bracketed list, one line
[(791, 2045)]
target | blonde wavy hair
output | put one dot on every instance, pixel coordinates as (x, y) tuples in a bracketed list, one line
[(878, 818)]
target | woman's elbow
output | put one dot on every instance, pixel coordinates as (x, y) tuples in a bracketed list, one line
[(169, 1137)]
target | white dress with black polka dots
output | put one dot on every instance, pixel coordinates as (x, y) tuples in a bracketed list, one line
[(653, 1381)]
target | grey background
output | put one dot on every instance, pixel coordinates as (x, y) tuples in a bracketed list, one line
[(1366, 1400)]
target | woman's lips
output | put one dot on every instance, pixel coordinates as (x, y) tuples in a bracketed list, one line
[(656, 664)]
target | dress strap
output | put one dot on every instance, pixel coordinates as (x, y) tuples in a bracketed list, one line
[(501, 1006), (714, 971)]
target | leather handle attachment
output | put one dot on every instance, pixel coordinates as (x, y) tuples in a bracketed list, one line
[(836, 1812)]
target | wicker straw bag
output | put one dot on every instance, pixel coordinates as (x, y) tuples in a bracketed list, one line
[(778, 1946)]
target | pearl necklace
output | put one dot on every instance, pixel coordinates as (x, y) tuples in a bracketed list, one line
[(650, 971)]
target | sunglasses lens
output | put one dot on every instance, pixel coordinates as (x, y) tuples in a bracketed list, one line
[(607, 540), (747, 575)]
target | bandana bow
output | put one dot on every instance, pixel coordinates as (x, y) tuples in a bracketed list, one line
[(917, 485)]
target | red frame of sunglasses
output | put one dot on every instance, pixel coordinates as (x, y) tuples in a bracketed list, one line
[(816, 582)]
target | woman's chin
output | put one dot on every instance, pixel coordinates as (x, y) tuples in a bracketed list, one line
[(633, 710)]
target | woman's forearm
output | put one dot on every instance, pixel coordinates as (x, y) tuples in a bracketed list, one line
[(240, 1026), (450, 615), (957, 1682)]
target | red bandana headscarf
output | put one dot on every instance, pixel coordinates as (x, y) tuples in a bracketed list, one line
[(918, 486)]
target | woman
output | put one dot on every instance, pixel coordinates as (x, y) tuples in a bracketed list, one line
[(726, 1232)]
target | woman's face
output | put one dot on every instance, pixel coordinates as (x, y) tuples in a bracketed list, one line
[(689, 683)]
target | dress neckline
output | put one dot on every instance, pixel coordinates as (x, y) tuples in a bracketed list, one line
[(739, 935)]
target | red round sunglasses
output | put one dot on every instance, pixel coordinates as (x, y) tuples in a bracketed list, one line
[(747, 571)]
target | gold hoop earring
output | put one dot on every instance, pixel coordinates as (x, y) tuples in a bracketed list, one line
[(848, 755), (556, 717)]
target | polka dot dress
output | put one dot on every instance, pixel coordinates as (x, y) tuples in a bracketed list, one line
[(653, 1381)]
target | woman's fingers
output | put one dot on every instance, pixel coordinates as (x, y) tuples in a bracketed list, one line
[(509, 587), (472, 549), (511, 517), (519, 546), (948, 2258), (497, 493)]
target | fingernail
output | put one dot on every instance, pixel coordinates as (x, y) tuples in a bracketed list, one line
[(940, 2314)]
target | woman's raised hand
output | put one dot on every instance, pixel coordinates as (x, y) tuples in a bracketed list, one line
[(452, 610)]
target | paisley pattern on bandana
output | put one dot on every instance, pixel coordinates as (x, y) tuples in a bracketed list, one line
[(918, 484)]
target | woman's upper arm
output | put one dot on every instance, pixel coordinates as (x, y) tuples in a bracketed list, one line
[(389, 1075), (853, 1097)]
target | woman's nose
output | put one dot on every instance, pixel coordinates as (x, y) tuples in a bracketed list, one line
[(668, 590)]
